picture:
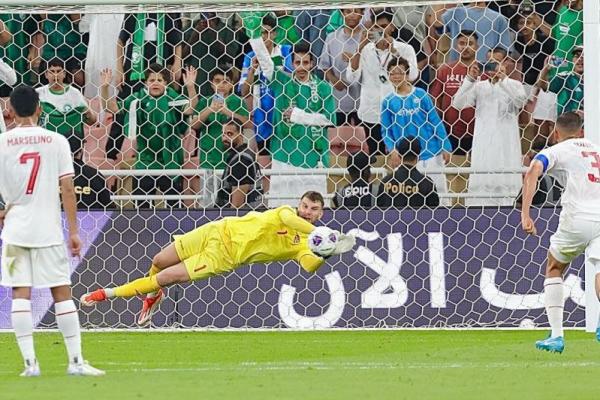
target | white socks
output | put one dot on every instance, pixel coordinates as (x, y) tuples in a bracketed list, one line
[(22, 323), (68, 323), (554, 302)]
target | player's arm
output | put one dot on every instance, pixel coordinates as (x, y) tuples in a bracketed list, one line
[(2, 211), (292, 220), (310, 262), (69, 201), (536, 169)]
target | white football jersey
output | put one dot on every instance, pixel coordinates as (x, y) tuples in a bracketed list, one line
[(32, 161), (575, 163)]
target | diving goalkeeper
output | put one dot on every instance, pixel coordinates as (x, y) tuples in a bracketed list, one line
[(221, 246)]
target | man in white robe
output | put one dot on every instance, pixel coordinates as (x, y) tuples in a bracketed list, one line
[(496, 140)]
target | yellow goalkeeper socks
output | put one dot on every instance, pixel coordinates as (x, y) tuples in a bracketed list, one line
[(138, 287), (154, 270)]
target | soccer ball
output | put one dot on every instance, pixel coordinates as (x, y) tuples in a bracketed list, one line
[(322, 241)]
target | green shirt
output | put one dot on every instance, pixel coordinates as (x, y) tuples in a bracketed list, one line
[(568, 87), (301, 145), (22, 27), (160, 126), (212, 153), (568, 32), (63, 111), (286, 32), (63, 39)]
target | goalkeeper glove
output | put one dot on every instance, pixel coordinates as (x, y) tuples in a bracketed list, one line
[(344, 244)]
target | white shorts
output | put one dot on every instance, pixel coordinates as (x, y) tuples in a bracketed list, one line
[(43, 267), (573, 237)]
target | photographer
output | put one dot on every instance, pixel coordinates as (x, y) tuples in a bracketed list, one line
[(369, 67)]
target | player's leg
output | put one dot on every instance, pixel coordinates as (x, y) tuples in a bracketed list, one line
[(597, 268), (67, 320), (16, 273)]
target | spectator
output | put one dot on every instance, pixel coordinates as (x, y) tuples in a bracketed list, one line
[(90, 186), (63, 40), (496, 140), (8, 76), (312, 24), (154, 118), (359, 192), (304, 108), (567, 31), (340, 45), (16, 31), (64, 109), (406, 186), (213, 112), (409, 113), (491, 27), (369, 67), (210, 44), (568, 85), (410, 23), (253, 82), (241, 185), (459, 124), (534, 46), (144, 39), (286, 32)]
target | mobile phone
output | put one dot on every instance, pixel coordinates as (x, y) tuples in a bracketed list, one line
[(490, 66), (557, 61), (218, 97)]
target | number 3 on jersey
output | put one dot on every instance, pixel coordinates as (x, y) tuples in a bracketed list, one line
[(25, 157)]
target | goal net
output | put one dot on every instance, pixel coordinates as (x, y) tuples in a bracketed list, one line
[(415, 120)]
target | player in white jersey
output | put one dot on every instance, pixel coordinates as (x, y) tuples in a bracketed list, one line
[(34, 163), (575, 163)]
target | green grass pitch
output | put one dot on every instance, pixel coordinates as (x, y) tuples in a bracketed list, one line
[(310, 365)]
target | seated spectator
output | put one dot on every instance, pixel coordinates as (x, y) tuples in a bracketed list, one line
[(409, 113), (213, 112), (491, 27), (340, 45), (406, 186), (241, 184), (90, 186), (496, 140), (154, 118), (567, 85), (16, 33), (63, 40), (359, 192), (549, 191), (64, 109), (369, 68), (210, 44), (459, 124)]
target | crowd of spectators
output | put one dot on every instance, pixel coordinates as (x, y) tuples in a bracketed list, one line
[(457, 85)]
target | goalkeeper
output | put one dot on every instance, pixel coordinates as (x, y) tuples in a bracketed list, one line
[(221, 246)]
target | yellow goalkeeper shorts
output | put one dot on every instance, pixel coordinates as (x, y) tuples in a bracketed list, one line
[(204, 251)]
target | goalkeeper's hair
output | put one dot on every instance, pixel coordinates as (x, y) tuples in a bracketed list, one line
[(314, 196), (569, 122), (156, 68), (24, 101)]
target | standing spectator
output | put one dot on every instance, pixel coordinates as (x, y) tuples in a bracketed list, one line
[(154, 116), (369, 67), (496, 141), (213, 112), (411, 28), (359, 192), (409, 113), (241, 185), (459, 124), (16, 48), (210, 44), (304, 108), (568, 86), (312, 24), (253, 82), (406, 186), (8, 76), (287, 32), (534, 46), (144, 39), (491, 27), (64, 109), (568, 30), (340, 45)]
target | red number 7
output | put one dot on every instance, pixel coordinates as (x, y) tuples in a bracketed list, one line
[(34, 171)]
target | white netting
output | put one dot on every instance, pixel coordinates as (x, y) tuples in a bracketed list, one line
[(348, 85)]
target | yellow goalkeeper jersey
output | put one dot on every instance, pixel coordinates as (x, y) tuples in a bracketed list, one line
[(274, 235)]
